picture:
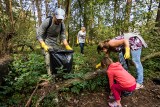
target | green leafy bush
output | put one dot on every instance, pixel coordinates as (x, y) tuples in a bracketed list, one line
[(152, 68), (25, 72)]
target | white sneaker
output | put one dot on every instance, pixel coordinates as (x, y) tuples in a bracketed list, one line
[(139, 86), (114, 104), (111, 97)]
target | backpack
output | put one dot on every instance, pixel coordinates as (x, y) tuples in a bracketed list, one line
[(50, 22)]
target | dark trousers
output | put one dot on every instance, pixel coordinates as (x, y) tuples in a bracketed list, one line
[(81, 47)]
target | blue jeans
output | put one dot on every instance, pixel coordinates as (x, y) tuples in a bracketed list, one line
[(81, 47), (136, 56), (123, 61)]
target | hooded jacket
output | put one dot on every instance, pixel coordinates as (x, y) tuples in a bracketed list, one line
[(116, 72)]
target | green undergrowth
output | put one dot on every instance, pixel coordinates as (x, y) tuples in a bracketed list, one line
[(27, 69)]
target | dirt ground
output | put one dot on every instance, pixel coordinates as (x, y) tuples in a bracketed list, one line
[(149, 96)]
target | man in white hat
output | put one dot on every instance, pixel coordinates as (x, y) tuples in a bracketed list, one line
[(49, 33)]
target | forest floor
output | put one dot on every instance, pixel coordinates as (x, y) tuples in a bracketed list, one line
[(149, 96)]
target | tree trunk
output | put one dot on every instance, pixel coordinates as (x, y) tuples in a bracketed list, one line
[(8, 9), (38, 3), (158, 16), (91, 22), (2, 23), (68, 10), (114, 17), (149, 11), (7, 35), (127, 14), (33, 12), (1, 6), (46, 6), (115, 12), (81, 12), (85, 17), (60, 3), (11, 16), (74, 38)]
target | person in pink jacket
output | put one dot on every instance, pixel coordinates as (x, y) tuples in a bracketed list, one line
[(119, 80)]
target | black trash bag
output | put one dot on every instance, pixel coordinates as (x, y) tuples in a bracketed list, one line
[(156, 81), (61, 59)]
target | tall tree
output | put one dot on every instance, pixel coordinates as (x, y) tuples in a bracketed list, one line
[(33, 11), (8, 35), (115, 11), (81, 12), (61, 3), (8, 4), (149, 11), (91, 23), (115, 15), (127, 14), (158, 16), (46, 6), (38, 4), (68, 10), (11, 15), (1, 6), (85, 15)]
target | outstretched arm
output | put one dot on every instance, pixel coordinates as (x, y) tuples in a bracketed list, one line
[(66, 45), (63, 37), (116, 43)]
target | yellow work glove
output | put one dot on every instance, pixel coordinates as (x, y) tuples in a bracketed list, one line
[(98, 65), (86, 40), (127, 53), (44, 46), (77, 41), (68, 47)]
